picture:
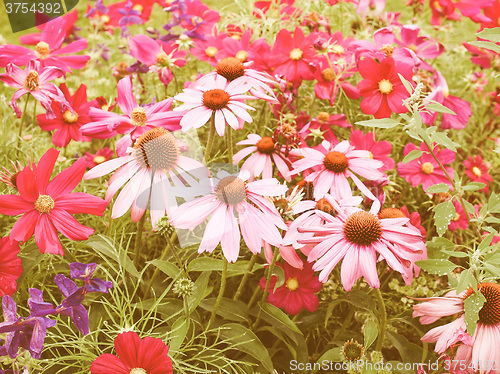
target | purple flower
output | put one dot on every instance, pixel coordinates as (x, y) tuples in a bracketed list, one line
[(130, 16), (71, 306), (85, 272)]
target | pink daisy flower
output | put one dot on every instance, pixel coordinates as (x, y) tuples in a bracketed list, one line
[(47, 207), (461, 219), (484, 345), (425, 170), (234, 206), (378, 150), (102, 155), (382, 91), (215, 97), (148, 174), (263, 152), (333, 165), (477, 170), (136, 120), (48, 50), (297, 293), (360, 239), (34, 80), (67, 124)]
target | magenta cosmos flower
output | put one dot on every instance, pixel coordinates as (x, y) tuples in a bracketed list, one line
[(477, 170), (136, 120), (215, 97), (48, 51), (67, 124), (145, 175), (34, 80), (293, 55), (11, 266), (47, 207), (334, 164), (378, 150), (382, 91), (234, 205), (297, 293), (263, 152), (484, 347), (361, 239), (425, 170)]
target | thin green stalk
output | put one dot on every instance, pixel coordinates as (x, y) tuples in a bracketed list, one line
[(244, 280), (186, 308), (211, 137), (382, 319), (23, 117), (138, 239), (229, 141), (268, 281), (220, 295), (176, 254), (254, 296)]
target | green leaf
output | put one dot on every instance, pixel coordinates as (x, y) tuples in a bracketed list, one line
[(409, 351), (492, 220), (442, 139), (279, 272), (437, 266), (383, 123), (494, 203), (205, 263), (434, 106), (230, 309), (466, 281), (488, 45), (440, 187), (332, 355), (492, 269), (247, 342), (108, 247), (201, 290), (485, 243), (178, 333), (474, 186), (438, 245), (370, 332), (470, 208), (491, 34), (279, 316), (167, 268), (413, 155), (472, 306), (443, 214), (408, 85)]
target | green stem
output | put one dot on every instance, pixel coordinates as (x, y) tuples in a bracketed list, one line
[(254, 296), (176, 254), (244, 280), (229, 141), (268, 281), (211, 137), (382, 319), (138, 239), (186, 307), (23, 117), (220, 295)]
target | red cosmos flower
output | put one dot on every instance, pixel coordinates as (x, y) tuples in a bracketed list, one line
[(210, 50), (103, 154), (477, 171), (415, 220), (135, 356), (378, 150), (47, 207), (68, 29), (298, 292), (293, 55), (382, 90), (112, 18), (461, 219), (10, 266), (66, 124), (332, 77)]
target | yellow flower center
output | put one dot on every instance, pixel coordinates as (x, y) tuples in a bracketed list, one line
[(385, 86), (138, 7), (138, 371), (42, 50), (476, 171), (292, 284), (138, 116), (32, 82), (338, 49), (211, 51), (370, 155), (70, 117), (105, 18), (44, 204), (99, 159), (161, 58), (242, 56), (323, 117), (456, 218), (387, 49), (296, 54), (413, 47), (427, 168), (328, 74)]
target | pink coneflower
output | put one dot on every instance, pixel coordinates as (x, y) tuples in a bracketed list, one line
[(261, 161), (425, 170), (135, 356), (67, 124), (34, 80), (215, 97), (378, 150), (293, 55), (47, 207), (147, 174), (11, 266), (484, 347), (461, 219), (333, 165), (102, 155), (360, 239), (477, 170), (136, 120), (234, 205), (382, 91), (297, 293), (48, 51)]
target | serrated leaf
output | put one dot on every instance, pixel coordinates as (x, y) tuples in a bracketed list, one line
[(413, 155), (443, 214), (440, 187), (491, 34), (472, 306), (465, 281), (370, 333), (437, 266), (383, 123), (166, 267), (440, 108)]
